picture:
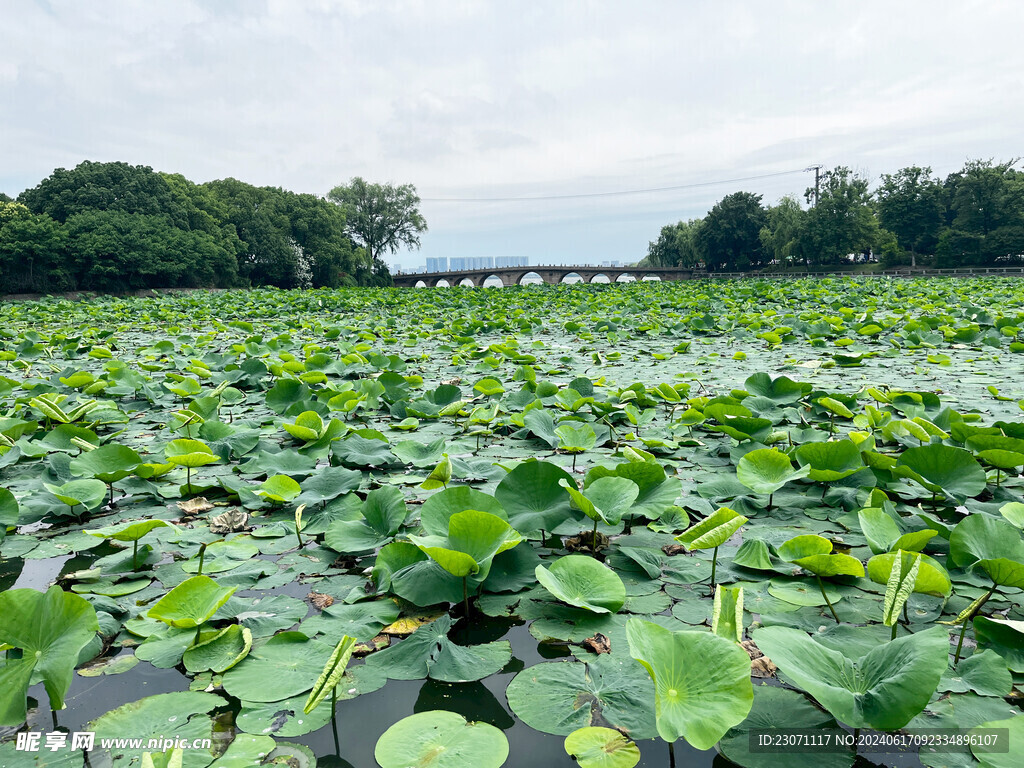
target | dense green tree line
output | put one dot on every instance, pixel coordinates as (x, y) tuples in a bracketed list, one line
[(118, 227), (975, 217)]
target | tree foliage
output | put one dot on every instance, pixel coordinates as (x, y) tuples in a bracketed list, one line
[(381, 217), (118, 227), (974, 218), (730, 237)]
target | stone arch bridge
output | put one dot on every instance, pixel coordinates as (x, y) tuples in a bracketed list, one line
[(551, 274)]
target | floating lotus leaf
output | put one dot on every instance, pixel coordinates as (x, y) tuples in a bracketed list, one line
[(559, 697), (583, 582), (441, 739), (596, 747), (51, 629)]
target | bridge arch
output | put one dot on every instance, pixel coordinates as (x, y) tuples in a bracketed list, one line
[(625, 277), (600, 277), (529, 273), (438, 283), (578, 278), (494, 276), (420, 284), (467, 282), (651, 278)]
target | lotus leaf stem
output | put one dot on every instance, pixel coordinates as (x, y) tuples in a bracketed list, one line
[(135, 555), (967, 618), (465, 597), (334, 720), (893, 635), (671, 755), (821, 586), (202, 554), (593, 540)]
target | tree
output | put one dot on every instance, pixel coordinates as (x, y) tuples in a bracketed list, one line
[(911, 205), (381, 217), (730, 237), (781, 234), (986, 205), (91, 186), (32, 252), (676, 246), (842, 222)]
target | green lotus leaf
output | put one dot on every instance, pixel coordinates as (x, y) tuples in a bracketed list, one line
[(1014, 512), (191, 603), (583, 582), (713, 531), (883, 689), (474, 538), (408, 572), (932, 578), (985, 674), (830, 461), (992, 544), (754, 553), (1004, 636), (189, 453), (279, 488), (179, 715), (606, 499), (220, 651), (86, 493), (803, 546), (742, 428), (782, 389), (383, 512), (777, 712), (108, 463), (419, 454), (441, 739), (130, 531), (879, 528), (560, 697), (727, 613), (428, 652), (532, 497), (701, 681), (9, 511), (308, 426), (658, 492), (51, 629), (576, 438), (438, 509), (996, 758), (286, 665), (766, 470), (597, 747), (942, 468)]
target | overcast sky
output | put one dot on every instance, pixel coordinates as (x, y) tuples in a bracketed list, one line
[(512, 99)]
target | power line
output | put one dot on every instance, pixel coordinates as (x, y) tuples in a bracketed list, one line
[(607, 194)]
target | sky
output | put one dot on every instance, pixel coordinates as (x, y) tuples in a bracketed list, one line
[(478, 100)]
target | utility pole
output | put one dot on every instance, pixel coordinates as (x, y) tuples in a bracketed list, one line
[(817, 179)]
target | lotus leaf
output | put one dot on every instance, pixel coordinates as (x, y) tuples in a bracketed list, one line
[(766, 470), (51, 629), (441, 740), (192, 603), (882, 689), (597, 747), (701, 681), (583, 582)]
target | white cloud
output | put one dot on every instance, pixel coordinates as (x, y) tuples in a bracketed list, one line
[(491, 99)]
